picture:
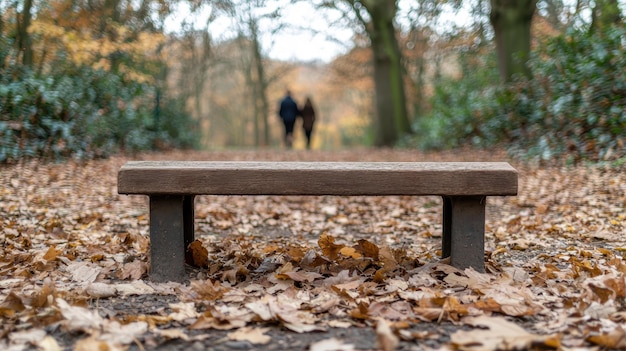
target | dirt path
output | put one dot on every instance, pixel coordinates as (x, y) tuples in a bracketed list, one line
[(74, 259)]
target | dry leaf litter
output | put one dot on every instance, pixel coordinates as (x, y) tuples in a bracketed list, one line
[(284, 272)]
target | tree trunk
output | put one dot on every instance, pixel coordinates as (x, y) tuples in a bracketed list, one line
[(419, 39), (248, 70), (23, 40), (201, 66), (261, 106), (3, 52), (553, 12), (605, 13), (112, 14), (387, 134), (388, 72), (511, 21)]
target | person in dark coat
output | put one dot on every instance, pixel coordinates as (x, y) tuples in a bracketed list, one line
[(288, 113), (308, 119)]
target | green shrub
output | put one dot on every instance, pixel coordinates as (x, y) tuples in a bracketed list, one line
[(578, 97), (461, 107), (574, 107), (84, 113)]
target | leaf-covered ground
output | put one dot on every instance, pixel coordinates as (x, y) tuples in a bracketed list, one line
[(312, 273)]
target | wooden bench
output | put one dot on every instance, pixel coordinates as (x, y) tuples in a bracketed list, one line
[(172, 186)]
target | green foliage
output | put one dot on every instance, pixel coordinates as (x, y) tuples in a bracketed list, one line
[(461, 107), (577, 102), (5, 49), (574, 107), (84, 113)]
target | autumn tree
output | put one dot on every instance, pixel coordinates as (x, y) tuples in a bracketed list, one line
[(230, 94), (350, 81), (247, 18), (87, 73), (252, 22), (15, 20), (115, 35), (511, 21), (605, 13), (552, 11), (194, 59), (5, 42), (426, 42), (377, 19), (255, 72)]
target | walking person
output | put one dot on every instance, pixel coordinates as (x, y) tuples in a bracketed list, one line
[(308, 119), (288, 112)]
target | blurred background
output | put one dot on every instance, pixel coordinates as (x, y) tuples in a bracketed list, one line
[(86, 79)]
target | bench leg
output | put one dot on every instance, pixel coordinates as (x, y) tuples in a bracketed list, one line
[(171, 230), (188, 218), (463, 237)]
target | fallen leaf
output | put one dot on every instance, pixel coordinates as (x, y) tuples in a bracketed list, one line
[(125, 334), (29, 336), (207, 290), (600, 311), (398, 310), (295, 253), (350, 252), (137, 287), (332, 344), (48, 343), (616, 339), (292, 318), (84, 272), (197, 255), (312, 260), (173, 334), (344, 280), (339, 324), (386, 257), (44, 296), (212, 319), (367, 249), (428, 314), (134, 270), (261, 309), (52, 253), (11, 304), (328, 246), (79, 319), (100, 290), (8, 283), (255, 336), (299, 276), (604, 294), (183, 311), (92, 343), (499, 334), (385, 338)]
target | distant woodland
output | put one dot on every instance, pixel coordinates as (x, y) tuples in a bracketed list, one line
[(90, 78)]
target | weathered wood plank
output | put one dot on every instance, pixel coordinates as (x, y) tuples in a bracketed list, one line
[(463, 237), (317, 178), (168, 237)]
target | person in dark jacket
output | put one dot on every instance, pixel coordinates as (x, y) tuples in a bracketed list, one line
[(288, 112), (308, 119)]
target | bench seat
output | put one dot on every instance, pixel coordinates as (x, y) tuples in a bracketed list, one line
[(172, 186)]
